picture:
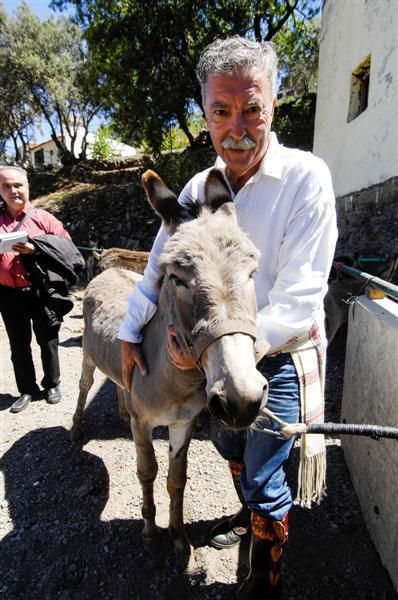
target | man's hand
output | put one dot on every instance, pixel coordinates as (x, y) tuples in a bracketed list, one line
[(26, 248), (131, 354), (179, 360)]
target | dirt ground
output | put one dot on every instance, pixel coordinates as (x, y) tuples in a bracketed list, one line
[(70, 513)]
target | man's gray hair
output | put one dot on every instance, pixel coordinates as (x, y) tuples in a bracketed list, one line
[(227, 57), (17, 168)]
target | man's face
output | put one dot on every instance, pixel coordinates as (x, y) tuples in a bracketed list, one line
[(14, 189), (239, 110)]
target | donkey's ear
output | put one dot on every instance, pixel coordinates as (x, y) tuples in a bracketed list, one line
[(163, 201), (216, 190)]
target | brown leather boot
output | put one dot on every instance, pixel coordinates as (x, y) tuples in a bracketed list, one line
[(268, 537), (229, 532)]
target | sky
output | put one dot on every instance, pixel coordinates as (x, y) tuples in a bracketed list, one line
[(38, 7)]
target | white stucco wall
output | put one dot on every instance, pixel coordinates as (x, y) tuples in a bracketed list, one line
[(371, 396), (365, 151), (50, 152), (120, 150)]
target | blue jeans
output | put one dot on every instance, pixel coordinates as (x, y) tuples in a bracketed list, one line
[(263, 479)]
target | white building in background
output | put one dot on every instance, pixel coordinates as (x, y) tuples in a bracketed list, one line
[(356, 123), (46, 153)]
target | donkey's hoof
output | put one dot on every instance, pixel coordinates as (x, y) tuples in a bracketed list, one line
[(186, 561), (152, 545), (184, 553)]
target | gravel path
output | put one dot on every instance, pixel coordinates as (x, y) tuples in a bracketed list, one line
[(70, 514)]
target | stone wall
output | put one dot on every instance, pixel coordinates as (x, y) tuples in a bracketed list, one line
[(107, 207), (368, 221), (116, 215)]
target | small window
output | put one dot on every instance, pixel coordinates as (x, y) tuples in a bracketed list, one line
[(39, 157), (359, 90)]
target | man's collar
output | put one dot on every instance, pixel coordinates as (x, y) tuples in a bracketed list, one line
[(270, 166), (27, 206)]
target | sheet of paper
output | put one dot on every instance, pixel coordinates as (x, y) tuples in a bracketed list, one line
[(7, 240)]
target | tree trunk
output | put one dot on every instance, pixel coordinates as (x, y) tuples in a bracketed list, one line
[(17, 152), (184, 126)]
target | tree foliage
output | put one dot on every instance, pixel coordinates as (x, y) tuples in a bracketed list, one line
[(53, 76), (102, 147), (298, 49), (17, 116), (294, 121), (147, 51)]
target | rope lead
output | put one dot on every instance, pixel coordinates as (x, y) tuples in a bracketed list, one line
[(288, 430)]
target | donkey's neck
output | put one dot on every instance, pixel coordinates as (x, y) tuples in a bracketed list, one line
[(167, 375)]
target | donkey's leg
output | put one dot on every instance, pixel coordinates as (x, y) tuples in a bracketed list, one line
[(85, 383), (179, 438), (147, 468)]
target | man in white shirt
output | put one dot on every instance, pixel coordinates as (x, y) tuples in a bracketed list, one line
[(284, 201)]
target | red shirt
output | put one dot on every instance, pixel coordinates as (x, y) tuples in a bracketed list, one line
[(12, 270)]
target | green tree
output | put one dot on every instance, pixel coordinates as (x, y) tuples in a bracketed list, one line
[(17, 117), (55, 75), (102, 146), (294, 121), (147, 51), (298, 49), (176, 139)]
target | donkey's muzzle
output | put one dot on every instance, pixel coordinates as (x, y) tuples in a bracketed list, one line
[(236, 414)]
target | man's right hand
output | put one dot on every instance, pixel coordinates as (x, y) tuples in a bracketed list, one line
[(131, 354)]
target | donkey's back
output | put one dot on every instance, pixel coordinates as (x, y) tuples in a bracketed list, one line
[(104, 307)]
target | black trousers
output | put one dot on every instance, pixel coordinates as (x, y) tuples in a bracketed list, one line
[(20, 311)]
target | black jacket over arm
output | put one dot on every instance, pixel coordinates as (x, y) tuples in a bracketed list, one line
[(53, 267)]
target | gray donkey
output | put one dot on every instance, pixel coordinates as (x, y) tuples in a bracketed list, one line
[(207, 293)]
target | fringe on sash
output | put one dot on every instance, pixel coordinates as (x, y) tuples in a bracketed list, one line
[(311, 479), (309, 360)]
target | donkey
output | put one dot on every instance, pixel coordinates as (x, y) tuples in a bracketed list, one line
[(207, 293), (133, 260)]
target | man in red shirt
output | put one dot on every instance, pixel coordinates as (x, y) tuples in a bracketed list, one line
[(20, 307)]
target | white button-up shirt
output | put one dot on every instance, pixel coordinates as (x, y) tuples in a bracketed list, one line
[(287, 208)]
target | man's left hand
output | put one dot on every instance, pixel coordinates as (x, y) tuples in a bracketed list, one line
[(179, 360)]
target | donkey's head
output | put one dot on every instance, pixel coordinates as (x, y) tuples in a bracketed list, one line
[(208, 293)]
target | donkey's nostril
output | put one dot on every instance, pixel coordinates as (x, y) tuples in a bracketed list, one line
[(231, 414)]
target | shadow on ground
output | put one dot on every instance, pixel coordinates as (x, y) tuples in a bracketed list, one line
[(60, 548)]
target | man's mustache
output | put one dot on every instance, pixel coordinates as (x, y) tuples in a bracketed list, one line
[(246, 143)]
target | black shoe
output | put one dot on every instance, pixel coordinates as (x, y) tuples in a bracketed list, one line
[(53, 395), (21, 403)]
